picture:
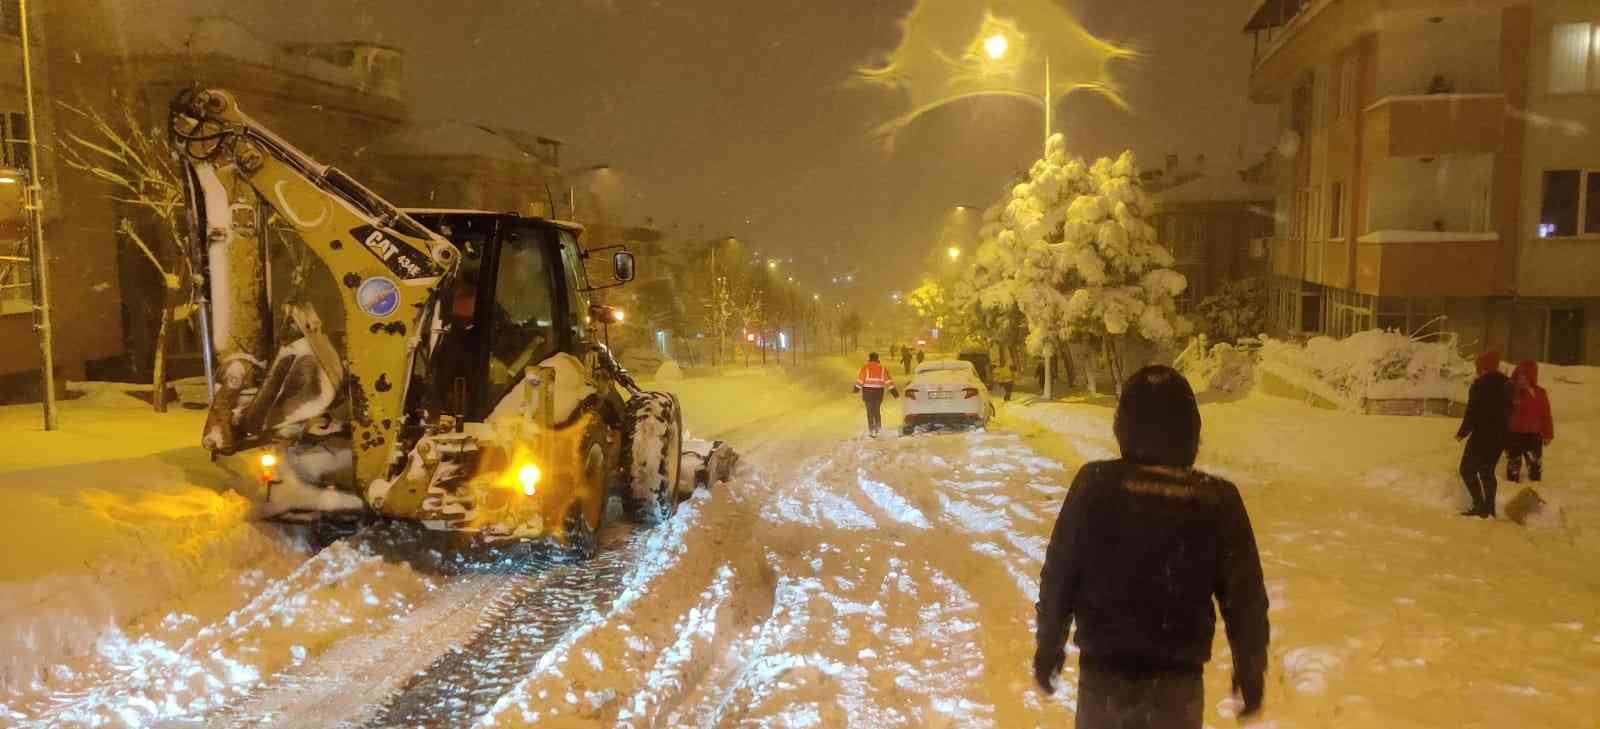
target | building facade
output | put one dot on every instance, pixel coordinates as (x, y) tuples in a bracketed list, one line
[(1213, 221), (343, 103), (1434, 170)]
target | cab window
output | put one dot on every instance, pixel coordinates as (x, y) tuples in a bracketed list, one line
[(577, 299), (521, 328)]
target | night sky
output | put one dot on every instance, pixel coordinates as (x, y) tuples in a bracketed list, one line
[(731, 117)]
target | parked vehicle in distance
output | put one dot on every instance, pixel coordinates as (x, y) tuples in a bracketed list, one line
[(945, 393)]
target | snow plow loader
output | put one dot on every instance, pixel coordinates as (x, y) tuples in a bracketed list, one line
[(438, 366)]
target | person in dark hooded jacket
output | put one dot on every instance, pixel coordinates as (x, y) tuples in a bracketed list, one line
[(1532, 427), (1486, 428), (1142, 546)]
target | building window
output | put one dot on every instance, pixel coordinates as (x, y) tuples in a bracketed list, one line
[(1349, 92), (1573, 58), (11, 18), (1571, 204), (14, 150), (16, 276), (1336, 210)]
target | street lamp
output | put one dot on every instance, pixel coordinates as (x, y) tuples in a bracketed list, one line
[(996, 46), (954, 252)]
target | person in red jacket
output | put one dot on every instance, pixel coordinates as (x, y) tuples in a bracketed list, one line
[(871, 381), (1532, 428)]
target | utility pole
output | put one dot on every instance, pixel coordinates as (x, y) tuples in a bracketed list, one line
[(34, 201)]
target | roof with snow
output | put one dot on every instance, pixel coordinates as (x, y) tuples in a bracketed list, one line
[(453, 139), (1215, 186)]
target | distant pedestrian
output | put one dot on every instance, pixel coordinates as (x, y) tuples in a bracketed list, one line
[(1142, 546), (1485, 428), (905, 357), (1005, 379), (871, 381), (921, 356), (1532, 427)]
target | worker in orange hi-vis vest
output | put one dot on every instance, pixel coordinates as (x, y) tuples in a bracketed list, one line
[(871, 381)]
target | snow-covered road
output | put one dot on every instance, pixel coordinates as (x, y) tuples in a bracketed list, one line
[(842, 581)]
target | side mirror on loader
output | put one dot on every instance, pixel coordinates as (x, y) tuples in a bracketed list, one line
[(622, 266)]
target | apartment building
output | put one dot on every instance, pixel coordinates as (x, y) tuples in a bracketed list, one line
[(1439, 169)]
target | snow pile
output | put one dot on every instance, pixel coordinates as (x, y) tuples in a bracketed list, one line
[(669, 372), (101, 545), (1370, 365), (1223, 370)]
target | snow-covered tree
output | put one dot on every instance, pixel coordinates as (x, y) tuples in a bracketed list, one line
[(1235, 311), (1070, 249), (1124, 280), (992, 303)]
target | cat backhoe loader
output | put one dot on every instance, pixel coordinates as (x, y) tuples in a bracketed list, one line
[(437, 366)]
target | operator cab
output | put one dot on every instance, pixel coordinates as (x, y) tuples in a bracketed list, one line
[(519, 296)]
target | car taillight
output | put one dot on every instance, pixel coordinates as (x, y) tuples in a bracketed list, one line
[(970, 392), (911, 394)]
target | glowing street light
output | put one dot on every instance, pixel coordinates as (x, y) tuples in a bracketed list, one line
[(996, 46), (954, 252), (772, 265)]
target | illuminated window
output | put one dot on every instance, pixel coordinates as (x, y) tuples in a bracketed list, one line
[(14, 150), (1574, 57), (1571, 204)]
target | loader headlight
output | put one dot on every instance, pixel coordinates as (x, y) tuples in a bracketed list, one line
[(528, 477), (269, 468)]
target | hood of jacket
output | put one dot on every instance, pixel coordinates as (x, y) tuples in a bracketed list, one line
[(1529, 370)]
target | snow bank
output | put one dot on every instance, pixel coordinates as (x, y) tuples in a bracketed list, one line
[(95, 546), (1221, 371), (105, 420), (1370, 365), (669, 371)]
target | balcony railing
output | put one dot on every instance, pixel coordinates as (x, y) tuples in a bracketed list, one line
[(1426, 263), (1436, 125)]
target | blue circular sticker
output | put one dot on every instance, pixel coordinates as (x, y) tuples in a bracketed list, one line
[(378, 296)]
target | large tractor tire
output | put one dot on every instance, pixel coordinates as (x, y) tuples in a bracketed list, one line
[(586, 516), (652, 452)]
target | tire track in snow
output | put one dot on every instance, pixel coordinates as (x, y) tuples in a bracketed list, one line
[(536, 614), (352, 676)]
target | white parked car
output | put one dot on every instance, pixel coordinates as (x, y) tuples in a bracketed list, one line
[(945, 393)]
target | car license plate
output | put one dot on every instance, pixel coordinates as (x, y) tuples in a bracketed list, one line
[(942, 395)]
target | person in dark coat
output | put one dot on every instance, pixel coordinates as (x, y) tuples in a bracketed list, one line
[(905, 358), (1532, 427), (1142, 546), (1485, 428)]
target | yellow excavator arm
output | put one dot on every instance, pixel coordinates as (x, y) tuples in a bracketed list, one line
[(386, 265)]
